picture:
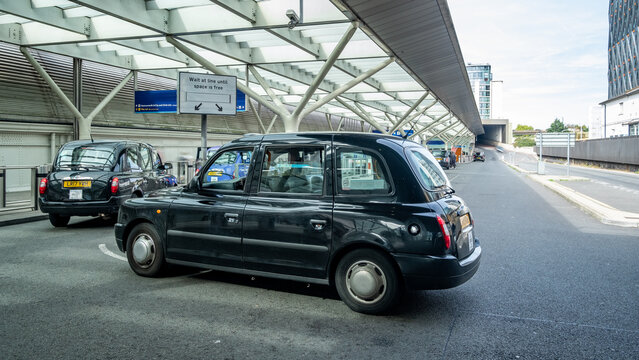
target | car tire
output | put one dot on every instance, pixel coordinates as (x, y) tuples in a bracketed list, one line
[(367, 282), (145, 252), (59, 220)]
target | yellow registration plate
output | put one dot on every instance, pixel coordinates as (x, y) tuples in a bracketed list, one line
[(215, 173), (77, 183), (439, 159), (465, 221)]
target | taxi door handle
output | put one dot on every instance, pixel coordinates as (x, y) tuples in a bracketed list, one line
[(232, 218), (318, 225)]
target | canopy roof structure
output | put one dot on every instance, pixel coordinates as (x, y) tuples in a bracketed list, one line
[(394, 64)]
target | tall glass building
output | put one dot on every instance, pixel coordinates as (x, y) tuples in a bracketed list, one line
[(480, 77), (623, 47)]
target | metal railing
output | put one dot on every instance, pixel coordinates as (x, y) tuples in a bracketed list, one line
[(23, 195)]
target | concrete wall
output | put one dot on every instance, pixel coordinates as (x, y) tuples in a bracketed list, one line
[(619, 150)]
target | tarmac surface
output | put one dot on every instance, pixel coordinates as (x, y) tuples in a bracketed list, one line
[(553, 283)]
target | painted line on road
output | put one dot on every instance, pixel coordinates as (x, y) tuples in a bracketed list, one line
[(108, 252), (514, 317)]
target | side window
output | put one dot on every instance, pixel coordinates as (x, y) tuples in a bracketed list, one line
[(228, 171), (361, 172), (133, 160), (297, 170), (145, 158), (120, 164), (157, 160)]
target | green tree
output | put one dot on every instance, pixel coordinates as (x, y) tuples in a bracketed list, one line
[(523, 127), (556, 126)]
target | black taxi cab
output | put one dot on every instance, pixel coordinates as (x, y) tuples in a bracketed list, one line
[(91, 178), (370, 214)]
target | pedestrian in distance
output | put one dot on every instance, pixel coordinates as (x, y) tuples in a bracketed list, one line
[(453, 160)]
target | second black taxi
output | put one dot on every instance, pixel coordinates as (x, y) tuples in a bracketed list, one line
[(370, 214)]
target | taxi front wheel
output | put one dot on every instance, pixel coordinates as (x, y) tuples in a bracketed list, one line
[(144, 251), (367, 282)]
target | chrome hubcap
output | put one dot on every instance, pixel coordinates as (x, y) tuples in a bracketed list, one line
[(366, 282), (143, 250)]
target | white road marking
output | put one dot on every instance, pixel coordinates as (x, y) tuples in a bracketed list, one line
[(108, 252)]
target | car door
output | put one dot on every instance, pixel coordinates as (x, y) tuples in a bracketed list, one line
[(128, 170), (288, 216), (205, 222), (150, 181)]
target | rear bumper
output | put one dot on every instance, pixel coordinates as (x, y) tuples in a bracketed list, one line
[(82, 208), (437, 272)]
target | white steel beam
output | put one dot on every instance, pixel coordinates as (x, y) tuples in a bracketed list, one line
[(106, 100), (51, 15), (401, 121), (454, 124), (342, 89), (247, 10), (362, 116), (132, 11), (431, 125), (267, 88), (325, 69)]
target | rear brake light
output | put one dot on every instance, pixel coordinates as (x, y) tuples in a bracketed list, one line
[(43, 186), (444, 228), (115, 185)]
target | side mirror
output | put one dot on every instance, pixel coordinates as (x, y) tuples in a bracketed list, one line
[(168, 166)]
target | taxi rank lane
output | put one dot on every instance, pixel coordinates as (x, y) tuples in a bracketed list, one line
[(553, 283)]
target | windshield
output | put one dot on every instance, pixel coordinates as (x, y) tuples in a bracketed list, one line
[(439, 153), (430, 174), (86, 156)]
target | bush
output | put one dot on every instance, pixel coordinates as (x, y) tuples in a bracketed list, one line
[(524, 141)]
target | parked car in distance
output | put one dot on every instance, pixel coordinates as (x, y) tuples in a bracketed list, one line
[(369, 214), (443, 157), (92, 178), (479, 156)]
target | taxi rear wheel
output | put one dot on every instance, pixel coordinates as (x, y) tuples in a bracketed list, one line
[(144, 251), (367, 282), (59, 220)]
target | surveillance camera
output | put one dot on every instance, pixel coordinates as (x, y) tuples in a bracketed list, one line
[(292, 16)]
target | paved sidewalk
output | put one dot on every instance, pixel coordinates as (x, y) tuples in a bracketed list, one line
[(598, 209), (21, 216)]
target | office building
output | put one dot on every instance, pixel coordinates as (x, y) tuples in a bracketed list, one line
[(621, 110)]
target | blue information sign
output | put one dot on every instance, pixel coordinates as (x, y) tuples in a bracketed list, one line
[(165, 101), (156, 101), (241, 101)]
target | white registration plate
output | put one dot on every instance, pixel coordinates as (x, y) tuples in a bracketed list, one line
[(75, 194)]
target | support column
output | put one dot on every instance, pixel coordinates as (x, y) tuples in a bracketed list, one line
[(77, 95), (203, 135)]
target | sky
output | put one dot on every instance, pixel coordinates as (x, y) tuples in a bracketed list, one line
[(551, 55)]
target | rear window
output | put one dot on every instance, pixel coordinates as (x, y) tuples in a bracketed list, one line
[(428, 171), (86, 156)]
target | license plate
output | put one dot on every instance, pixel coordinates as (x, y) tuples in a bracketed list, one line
[(75, 194), (215, 173), (439, 159), (465, 221), (77, 183)]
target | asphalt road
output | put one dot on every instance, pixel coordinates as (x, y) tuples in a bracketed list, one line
[(553, 283)]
